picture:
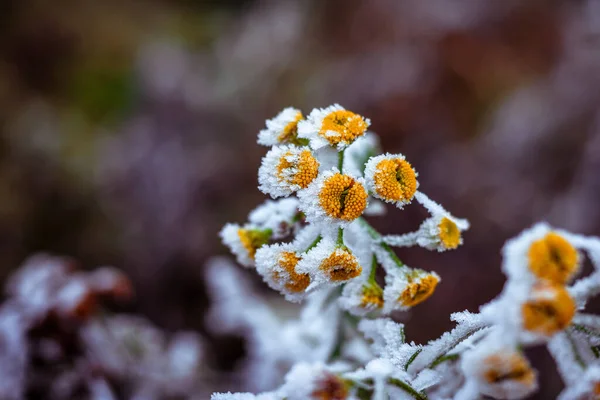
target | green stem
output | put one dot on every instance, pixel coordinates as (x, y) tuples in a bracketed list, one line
[(443, 357), (447, 357), (574, 349), (373, 272), (341, 160), (412, 358), (340, 237), (407, 388), (314, 243)]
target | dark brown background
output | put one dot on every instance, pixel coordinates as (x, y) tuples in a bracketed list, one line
[(128, 128)]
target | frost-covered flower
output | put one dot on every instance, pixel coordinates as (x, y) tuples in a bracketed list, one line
[(277, 215), (281, 129), (495, 369), (441, 232), (391, 178), (244, 241), (405, 288), (277, 265), (361, 297), (286, 169), (541, 253), (548, 310), (315, 382), (332, 126), (333, 199), (329, 263)]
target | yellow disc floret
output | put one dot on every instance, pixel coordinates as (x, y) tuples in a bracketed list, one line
[(341, 265), (289, 134), (549, 310), (343, 197), (418, 290), (253, 239), (449, 233), (553, 258), (395, 180), (504, 367), (330, 387), (342, 126), (296, 282), (372, 296), (301, 171)]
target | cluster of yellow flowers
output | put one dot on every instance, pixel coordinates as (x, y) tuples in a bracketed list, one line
[(324, 178)]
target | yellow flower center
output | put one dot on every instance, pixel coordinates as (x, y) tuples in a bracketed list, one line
[(253, 239), (395, 180), (372, 295), (550, 309), (553, 258), (418, 291), (508, 367), (306, 169), (449, 233), (290, 132), (342, 126), (330, 387), (341, 265), (296, 282), (343, 197)]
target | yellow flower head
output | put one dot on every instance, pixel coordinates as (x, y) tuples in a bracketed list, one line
[(286, 169), (330, 387), (503, 367), (297, 169), (295, 282), (244, 241), (550, 309), (391, 178), (418, 289), (372, 297), (283, 129), (340, 266), (332, 126), (253, 239), (342, 197), (449, 234), (553, 258)]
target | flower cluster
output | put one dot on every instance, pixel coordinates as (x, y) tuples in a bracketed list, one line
[(316, 246), (483, 356), (324, 176)]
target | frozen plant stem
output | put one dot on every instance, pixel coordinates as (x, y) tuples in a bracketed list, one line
[(376, 236)]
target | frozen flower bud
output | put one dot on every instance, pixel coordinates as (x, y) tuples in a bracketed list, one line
[(314, 382), (334, 198), (332, 126), (548, 310), (553, 258), (244, 241), (281, 129), (277, 264), (286, 169), (391, 178), (441, 232), (328, 263), (278, 215), (361, 297), (405, 288), (498, 371)]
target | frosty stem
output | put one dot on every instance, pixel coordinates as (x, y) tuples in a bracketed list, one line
[(376, 236)]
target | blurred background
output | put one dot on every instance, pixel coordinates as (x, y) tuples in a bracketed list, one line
[(128, 130)]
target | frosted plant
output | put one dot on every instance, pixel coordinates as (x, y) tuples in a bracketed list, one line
[(316, 247)]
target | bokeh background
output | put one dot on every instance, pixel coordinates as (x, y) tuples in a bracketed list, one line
[(128, 130)]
